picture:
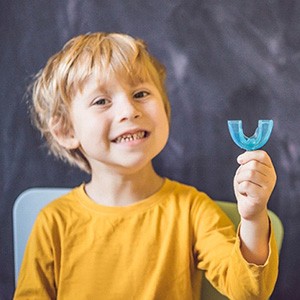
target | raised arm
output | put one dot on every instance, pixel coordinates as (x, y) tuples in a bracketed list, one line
[(254, 182)]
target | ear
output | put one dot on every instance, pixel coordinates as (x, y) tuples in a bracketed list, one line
[(64, 135)]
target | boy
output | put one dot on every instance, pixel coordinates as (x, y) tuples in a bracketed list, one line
[(128, 233)]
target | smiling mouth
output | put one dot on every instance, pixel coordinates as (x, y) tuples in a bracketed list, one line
[(130, 137)]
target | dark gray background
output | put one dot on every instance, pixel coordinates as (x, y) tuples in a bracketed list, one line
[(225, 60)]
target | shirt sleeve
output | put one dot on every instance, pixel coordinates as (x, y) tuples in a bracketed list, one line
[(37, 274), (217, 250)]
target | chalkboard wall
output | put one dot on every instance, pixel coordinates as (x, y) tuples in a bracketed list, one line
[(225, 59)]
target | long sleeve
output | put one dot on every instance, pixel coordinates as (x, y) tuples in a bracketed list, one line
[(36, 278), (217, 248)]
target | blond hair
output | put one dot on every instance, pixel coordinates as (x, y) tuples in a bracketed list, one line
[(66, 71)]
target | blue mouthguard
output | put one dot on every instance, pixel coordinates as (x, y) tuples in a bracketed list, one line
[(257, 140)]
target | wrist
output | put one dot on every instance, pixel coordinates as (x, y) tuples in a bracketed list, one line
[(254, 235), (262, 216)]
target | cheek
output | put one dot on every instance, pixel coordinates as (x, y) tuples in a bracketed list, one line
[(163, 117), (79, 126), (158, 111), (94, 132), (166, 130), (163, 125)]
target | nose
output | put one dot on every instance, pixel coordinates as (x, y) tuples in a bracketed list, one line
[(129, 110)]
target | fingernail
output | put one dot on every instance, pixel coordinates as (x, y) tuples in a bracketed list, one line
[(240, 159)]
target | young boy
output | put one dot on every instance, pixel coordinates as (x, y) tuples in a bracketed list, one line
[(128, 233)]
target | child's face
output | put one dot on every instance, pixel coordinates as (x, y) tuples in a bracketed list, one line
[(119, 126)]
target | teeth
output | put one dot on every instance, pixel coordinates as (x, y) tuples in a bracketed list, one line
[(130, 137)]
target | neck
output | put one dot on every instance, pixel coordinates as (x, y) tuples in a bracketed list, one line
[(117, 189)]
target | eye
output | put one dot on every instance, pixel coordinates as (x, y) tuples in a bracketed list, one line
[(101, 101), (141, 94)]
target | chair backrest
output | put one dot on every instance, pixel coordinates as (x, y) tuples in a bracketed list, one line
[(30, 202)]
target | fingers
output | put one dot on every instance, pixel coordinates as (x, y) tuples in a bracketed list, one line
[(256, 175), (258, 155), (254, 182), (255, 172), (251, 188), (253, 162)]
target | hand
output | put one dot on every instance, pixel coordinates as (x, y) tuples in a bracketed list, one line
[(254, 182)]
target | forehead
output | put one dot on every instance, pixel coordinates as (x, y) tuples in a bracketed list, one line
[(103, 77), (95, 84)]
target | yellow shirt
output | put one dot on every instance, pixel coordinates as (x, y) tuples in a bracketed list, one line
[(153, 249)]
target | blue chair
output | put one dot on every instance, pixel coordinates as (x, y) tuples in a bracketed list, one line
[(30, 202)]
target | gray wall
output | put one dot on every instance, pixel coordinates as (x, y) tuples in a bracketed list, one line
[(226, 59)]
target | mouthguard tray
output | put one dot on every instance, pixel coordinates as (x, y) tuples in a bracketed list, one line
[(257, 140)]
